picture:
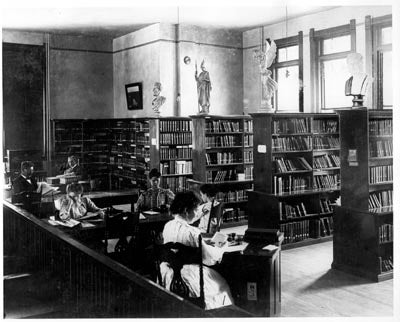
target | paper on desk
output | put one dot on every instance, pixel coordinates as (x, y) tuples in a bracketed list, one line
[(67, 223), (86, 224), (270, 247), (219, 239), (151, 212), (141, 216), (46, 189), (89, 215)]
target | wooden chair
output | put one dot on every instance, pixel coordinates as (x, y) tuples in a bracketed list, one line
[(177, 255), (215, 212)]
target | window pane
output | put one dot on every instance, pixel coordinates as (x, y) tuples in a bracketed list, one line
[(386, 36), (387, 91), (288, 53), (288, 88), (336, 45), (335, 75)]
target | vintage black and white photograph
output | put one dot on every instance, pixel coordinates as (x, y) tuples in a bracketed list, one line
[(200, 160)]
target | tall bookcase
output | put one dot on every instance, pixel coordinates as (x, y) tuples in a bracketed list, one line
[(363, 240), (222, 155), (172, 151), (296, 176)]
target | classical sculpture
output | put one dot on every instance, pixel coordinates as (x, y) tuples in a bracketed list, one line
[(203, 89), (269, 85), (358, 83), (158, 100)]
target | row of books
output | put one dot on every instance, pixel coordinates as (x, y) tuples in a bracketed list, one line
[(176, 167), (300, 230), (213, 126), (381, 127), (231, 215), (68, 135), (386, 264), (221, 176), (176, 138), (178, 152), (223, 158), (175, 126), (292, 143), (248, 172), (175, 183), (291, 126), (123, 136), (290, 184), (294, 164), (325, 206), (326, 181), (248, 140), (229, 196), (248, 126), (131, 125), (380, 199), (248, 156), (326, 161), (325, 126), (221, 141), (382, 173), (326, 142), (385, 233), (381, 148), (287, 211), (122, 161)]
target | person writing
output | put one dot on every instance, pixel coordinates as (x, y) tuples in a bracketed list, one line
[(154, 198), (74, 167), (208, 193), (74, 206), (216, 290), (25, 182)]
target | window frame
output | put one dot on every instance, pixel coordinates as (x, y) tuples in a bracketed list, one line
[(318, 58), (281, 44), (373, 32)]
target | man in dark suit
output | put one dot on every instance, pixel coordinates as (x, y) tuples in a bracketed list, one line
[(25, 182), (74, 168)]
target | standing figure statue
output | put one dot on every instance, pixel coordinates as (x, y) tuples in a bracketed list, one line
[(358, 83), (158, 100), (269, 85), (203, 89)]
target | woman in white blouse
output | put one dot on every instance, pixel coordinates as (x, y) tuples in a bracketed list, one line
[(179, 230)]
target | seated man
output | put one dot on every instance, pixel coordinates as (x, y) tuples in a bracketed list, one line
[(25, 182), (154, 197), (74, 206), (74, 168)]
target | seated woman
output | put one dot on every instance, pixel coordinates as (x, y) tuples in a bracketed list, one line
[(179, 230), (154, 197), (207, 193), (74, 206)]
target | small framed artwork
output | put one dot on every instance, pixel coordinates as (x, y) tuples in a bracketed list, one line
[(134, 98)]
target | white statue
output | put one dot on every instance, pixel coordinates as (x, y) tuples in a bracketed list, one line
[(358, 83), (269, 85), (158, 100)]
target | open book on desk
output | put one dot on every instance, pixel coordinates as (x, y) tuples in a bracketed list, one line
[(90, 215), (46, 190), (67, 223)]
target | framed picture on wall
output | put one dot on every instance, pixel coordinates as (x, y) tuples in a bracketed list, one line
[(134, 98)]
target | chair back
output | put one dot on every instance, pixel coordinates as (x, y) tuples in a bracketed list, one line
[(215, 212), (177, 255)]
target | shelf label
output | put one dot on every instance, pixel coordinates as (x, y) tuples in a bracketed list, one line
[(251, 291), (261, 148), (153, 141)]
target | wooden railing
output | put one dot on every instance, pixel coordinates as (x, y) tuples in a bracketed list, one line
[(90, 283)]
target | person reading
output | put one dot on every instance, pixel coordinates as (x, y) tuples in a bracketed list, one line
[(74, 168), (202, 220), (75, 206), (154, 198), (25, 182), (216, 290)]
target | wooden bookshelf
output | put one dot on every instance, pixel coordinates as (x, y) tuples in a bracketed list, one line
[(363, 240), (223, 156), (171, 151), (296, 175)]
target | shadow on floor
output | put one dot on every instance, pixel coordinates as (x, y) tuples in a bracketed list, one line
[(334, 278)]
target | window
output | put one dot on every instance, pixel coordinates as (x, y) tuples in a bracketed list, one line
[(288, 72), (329, 49), (382, 62)]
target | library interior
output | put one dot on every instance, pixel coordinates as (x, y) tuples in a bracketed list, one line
[(187, 162)]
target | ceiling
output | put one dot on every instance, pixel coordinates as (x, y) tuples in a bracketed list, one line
[(114, 22)]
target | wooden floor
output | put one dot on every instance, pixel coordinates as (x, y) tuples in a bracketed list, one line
[(310, 288)]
